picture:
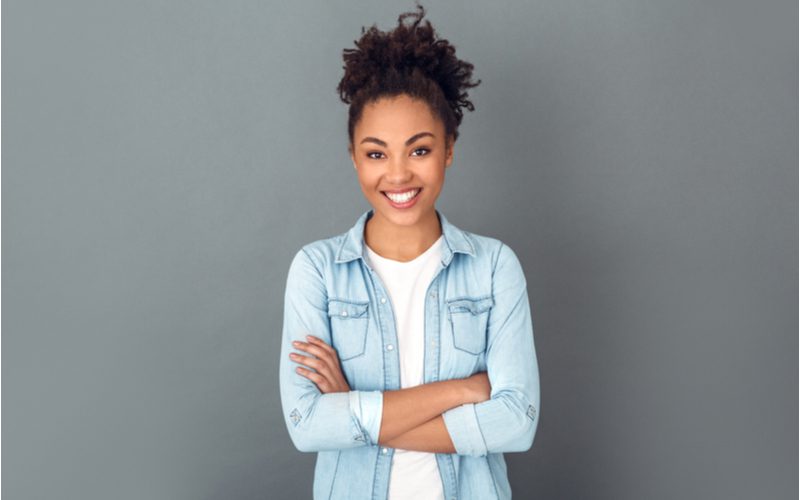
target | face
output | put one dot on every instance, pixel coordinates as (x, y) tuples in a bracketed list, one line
[(399, 147)]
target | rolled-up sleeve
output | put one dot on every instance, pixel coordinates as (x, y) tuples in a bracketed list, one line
[(507, 422), (317, 421), (367, 406)]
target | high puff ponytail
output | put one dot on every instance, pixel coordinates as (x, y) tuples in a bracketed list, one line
[(411, 60)]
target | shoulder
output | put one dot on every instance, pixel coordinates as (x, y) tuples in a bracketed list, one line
[(321, 252), (488, 248), (498, 259)]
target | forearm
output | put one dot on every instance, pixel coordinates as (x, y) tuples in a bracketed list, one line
[(405, 409), (431, 436)]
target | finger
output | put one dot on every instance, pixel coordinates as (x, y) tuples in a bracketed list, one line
[(325, 355), (313, 376), (329, 349), (310, 374), (309, 347), (321, 344), (308, 361), (320, 365)]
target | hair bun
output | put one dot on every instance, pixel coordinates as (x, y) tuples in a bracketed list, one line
[(406, 59)]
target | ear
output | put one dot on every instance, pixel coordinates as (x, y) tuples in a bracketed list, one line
[(449, 152), (352, 155)]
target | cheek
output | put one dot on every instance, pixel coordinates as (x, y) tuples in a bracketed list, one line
[(368, 182), (435, 176)]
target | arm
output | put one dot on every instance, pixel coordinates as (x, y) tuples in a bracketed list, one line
[(316, 421), (406, 409), (507, 422), (432, 436), (425, 436), (429, 436)]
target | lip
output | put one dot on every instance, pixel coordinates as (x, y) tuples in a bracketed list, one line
[(398, 191), (410, 203)]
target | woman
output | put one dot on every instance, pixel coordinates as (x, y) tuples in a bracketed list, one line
[(394, 329)]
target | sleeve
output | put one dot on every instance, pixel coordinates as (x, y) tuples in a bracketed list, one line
[(317, 421), (507, 422)]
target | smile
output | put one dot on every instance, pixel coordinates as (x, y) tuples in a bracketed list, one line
[(404, 199)]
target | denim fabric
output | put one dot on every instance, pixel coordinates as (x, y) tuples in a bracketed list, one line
[(477, 318)]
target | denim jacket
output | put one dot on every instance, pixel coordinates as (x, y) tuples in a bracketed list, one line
[(477, 318)]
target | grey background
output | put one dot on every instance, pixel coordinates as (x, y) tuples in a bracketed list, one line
[(164, 160)]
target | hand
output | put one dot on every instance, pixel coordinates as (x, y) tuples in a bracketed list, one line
[(478, 388), (328, 376)]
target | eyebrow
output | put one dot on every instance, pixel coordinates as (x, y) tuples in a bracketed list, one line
[(408, 142)]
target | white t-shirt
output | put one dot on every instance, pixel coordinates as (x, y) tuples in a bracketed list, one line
[(414, 474)]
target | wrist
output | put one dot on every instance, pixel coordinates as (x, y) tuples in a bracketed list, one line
[(459, 389)]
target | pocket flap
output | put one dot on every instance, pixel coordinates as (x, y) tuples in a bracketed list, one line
[(474, 306), (346, 309)]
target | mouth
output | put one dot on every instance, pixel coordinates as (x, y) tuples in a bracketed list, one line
[(404, 199)]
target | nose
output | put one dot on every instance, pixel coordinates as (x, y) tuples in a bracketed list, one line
[(398, 171)]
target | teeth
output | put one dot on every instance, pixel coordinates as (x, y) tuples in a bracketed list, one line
[(403, 197)]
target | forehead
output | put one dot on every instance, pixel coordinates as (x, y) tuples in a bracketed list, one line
[(398, 117)]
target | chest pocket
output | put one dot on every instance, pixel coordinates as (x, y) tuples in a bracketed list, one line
[(349, 321), (468, 321)]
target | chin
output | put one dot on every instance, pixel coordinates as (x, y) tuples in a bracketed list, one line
[(404, 219)]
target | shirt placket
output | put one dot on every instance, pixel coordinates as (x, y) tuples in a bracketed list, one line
[(391, 364), (391, 372), (433, 351)]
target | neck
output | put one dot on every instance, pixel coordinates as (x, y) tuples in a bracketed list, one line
[(402, 243)]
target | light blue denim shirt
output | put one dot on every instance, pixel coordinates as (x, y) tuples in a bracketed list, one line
[(477, 318)]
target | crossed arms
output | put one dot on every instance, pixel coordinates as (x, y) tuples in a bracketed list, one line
[(412, 417), (449, 416)]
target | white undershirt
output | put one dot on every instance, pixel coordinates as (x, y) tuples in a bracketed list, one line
[(414, 474)]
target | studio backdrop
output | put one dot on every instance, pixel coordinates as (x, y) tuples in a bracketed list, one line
[(163, 161)]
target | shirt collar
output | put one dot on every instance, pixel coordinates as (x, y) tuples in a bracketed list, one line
[(352, 246)]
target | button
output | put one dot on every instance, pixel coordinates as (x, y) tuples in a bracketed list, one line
[(385, 451), (344, 313), (390, 347), (383, 300), (433, 343)]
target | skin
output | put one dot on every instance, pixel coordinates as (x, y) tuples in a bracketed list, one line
[(383, 161), (401, 234)]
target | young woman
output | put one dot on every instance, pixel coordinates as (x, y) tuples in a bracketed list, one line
[(407, 356)]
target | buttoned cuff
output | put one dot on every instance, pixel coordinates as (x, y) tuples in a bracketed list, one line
[(465, 432), (367, 408)]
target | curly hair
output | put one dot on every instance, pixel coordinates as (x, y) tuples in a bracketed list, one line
[(407, 60)]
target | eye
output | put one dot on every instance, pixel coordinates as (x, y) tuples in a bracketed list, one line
[(423, 149), (369, 155)]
